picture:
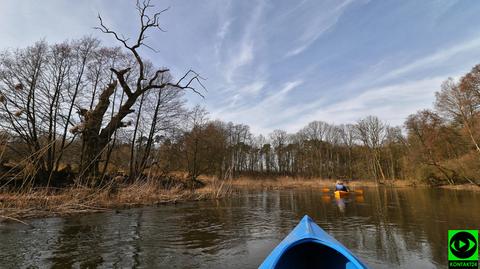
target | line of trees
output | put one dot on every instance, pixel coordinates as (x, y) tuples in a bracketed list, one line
[(72, 103), (80, 111), (439, 145)]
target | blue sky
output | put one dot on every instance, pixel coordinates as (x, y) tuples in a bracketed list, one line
[(281, 64)]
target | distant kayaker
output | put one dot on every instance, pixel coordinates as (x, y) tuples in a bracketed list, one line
[(340, 187)]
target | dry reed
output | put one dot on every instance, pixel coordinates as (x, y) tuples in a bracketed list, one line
[(42, 202), (299, 182)]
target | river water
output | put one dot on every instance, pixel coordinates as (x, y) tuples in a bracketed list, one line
[(385, 227)]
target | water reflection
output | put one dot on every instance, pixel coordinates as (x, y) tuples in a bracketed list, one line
[(387, 228), (340, 204)]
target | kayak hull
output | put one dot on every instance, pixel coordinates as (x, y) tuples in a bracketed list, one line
[(308, 246), (340, 194)]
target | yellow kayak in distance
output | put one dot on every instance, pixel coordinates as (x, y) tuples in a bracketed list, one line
[(340, 194)]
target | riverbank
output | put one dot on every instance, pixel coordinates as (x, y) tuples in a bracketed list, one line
[(469, 187), (173, 236), (36, 203), (18, 206), (292, 182)]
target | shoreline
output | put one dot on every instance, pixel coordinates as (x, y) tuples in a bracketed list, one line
[(292, 183), (298, 183), (40, 203), (81, 200)]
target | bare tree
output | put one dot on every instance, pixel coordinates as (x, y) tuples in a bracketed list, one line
[(372, 132), (97, 136), (425, 132), (348, 136), (197, 119), (279, 140), (460, 103), (40, 89)]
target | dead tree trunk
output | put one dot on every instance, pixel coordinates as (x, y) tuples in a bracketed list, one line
[(95, 137), (93, 141)]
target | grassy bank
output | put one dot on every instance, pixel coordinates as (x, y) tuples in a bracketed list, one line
[(470, 187), (276, 183), (42, 202), (291, 182), (18, 206)]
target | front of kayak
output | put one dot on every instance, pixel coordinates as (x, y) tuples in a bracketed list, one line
[(309, 246)]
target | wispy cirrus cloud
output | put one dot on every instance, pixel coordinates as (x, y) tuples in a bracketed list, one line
[(318, 25), (392, 103), (460, 56), (439, 57), (270, 111), (278, 64), (242, 51), (253, 88)]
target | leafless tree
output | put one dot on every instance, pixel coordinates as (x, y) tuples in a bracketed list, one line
[(372, 132), (461, 103), (97, 136)]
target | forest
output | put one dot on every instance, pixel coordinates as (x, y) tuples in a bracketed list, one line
[(80, 112)]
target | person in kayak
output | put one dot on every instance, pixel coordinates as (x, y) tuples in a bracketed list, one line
[(340, 187)]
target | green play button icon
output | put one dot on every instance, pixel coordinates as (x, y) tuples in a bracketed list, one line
[(463, 249)]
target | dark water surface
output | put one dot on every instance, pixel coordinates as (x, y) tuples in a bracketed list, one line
[(387, 228)]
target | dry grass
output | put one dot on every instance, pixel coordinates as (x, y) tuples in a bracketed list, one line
[(16, 206), (291, 183), (470, 187), (75, 200), (280, 183)]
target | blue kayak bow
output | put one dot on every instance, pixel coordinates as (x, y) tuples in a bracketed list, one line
[(309, 246)]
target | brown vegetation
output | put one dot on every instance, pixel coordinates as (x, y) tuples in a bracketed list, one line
[(74, 200), (315, 183)]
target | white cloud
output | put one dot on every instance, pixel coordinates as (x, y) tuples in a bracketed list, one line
[(436, 58), (244, 57), (317, 26), (458, 56), (243, 53), (224, 24), (280, 96), (392, 103), (253, 88), (222, 32), (266, 112), (245, 50)]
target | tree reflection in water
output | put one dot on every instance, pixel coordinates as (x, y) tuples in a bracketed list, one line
[(386, 227)]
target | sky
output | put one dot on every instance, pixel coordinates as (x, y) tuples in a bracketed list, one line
[(281, 64)]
